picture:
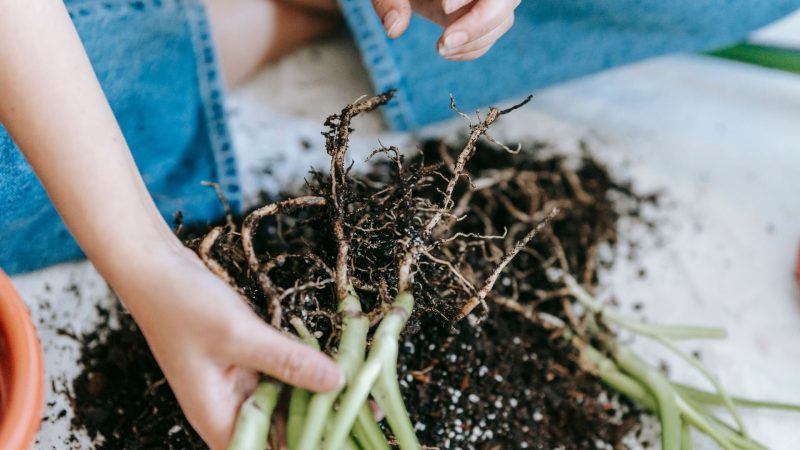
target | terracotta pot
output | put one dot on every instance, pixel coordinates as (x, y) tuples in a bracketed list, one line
[(21, 372)]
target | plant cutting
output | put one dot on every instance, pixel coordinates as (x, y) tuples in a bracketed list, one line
[(454, 290)]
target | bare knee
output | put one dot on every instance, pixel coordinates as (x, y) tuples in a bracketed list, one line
[(251, 33)]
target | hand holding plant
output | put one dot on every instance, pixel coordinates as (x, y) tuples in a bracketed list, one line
[(211, 345)]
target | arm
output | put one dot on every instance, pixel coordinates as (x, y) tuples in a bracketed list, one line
[(206, 339)]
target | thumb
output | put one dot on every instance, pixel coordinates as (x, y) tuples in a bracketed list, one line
[(394, 14), (269, 351)]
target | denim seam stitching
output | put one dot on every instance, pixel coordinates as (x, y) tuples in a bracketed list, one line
[(209, 78), (376, 55), (113, 8)]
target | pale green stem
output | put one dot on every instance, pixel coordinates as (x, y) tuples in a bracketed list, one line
[(711, 398), (665, 396), (350, 444), (387, 393), (702, 424), (383, 352), (609, 373), (646, 329), (686, 437), (737, 439), (253, 422), (349, 358), (298, 408), (367, 432), (303, 332), (685, 398), (298, 402), (727, 431), (352, 399), (694, 362)]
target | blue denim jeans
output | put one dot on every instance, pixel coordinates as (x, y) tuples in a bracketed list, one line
[(157, 66), (551, 41)]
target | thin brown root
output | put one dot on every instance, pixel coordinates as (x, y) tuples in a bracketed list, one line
[(404, 273), (250, 223), (480, 297), (249, 227), (494, 141), (222, 199), (461, 235), (476, 131), (456, 273), (575, 183), (525, 311), (517, 106), (204, 251), (336, 141), (305, 286)]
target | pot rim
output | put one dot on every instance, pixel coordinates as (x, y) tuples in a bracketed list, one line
[(21, 414)]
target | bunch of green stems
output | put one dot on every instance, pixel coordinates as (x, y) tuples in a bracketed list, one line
[(679, 407), (343, 419)]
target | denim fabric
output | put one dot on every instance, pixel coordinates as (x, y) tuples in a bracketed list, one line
[(155, 61), (551, 41), (157, 67)]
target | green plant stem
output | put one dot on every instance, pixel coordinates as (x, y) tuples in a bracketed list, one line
[(701, 423), (387, 393), (383, 351), (298, 402), (609, 373), (761, 55), (735, 438), (711, 398), (349, 358), (253, 422), (352, 399), (367, 432), (692, 414), (665, 396), (686, 437), (688, 400), (298, 408), (350, 444), (724, 429), (646, 329), (694, 362)]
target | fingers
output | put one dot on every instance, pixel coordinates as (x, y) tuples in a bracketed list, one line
[(450, 6), (267, 350), (479, 46), (478, 29), (394, 14), (210, 399)]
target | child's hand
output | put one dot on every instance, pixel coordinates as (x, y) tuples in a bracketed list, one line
[(210, 345), (471, 27)]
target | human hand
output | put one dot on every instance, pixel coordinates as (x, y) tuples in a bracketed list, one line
[(471, 27), (211, 345)]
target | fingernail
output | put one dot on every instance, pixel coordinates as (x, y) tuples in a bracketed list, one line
[(330, 379), (390, 22), (452, 42), (453, 5)]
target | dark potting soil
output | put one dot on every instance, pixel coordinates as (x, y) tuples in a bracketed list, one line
[(499, 381), (121, 396)]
